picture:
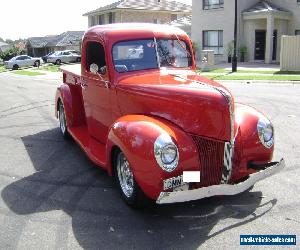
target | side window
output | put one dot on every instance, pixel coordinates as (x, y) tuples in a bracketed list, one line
[(95, 54)]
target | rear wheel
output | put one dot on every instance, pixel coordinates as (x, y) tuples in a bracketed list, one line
[(62, 121), (58, 62), (78, 59), (129, 189), (15, 67), (36, 64)]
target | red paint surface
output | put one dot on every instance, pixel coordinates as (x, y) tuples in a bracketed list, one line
[(138, 106)]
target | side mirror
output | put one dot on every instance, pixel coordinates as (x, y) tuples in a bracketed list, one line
[(102, 70), (94, 68)]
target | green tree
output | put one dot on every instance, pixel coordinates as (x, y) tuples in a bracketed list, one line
[(8, 54)]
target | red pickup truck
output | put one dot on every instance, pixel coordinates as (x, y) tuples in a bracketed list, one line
[(138, 109)]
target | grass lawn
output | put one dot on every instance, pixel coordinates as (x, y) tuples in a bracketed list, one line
[(273, 72), (27, 73), (236, 76), (252, 74), (2, 69), (50, 68)]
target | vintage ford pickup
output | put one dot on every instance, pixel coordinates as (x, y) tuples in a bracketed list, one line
[(138, 109)]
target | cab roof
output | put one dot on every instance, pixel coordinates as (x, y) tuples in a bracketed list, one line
[(123, 31)]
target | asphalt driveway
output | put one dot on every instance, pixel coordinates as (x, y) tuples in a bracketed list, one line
[(53, 197)]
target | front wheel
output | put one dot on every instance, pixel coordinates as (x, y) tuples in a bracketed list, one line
[(37, 64), (129, 189), (58, 62), (16, 67), (62, 121)]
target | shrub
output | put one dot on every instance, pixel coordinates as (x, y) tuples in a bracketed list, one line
[(10, 53)]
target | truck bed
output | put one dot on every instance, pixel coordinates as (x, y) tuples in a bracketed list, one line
[(74, 69), (78, 127)]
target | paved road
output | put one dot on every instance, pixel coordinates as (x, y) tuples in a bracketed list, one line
[(53, 197)]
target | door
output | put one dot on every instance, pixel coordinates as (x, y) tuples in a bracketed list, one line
[(21, 61), (260, 44), (96, 92), (28, 61), (66, 57), (274, 45)]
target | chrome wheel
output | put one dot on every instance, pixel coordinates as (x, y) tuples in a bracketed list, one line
[(62, 119), (125, 175)]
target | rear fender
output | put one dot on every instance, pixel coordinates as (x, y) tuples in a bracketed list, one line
[(135, 135), (71, 96), (63, 94)]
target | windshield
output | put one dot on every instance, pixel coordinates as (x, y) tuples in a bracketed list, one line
[(141, 54)]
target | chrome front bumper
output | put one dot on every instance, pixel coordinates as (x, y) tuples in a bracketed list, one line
[(222, 189)]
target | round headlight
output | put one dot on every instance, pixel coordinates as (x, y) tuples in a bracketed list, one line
[(169, 154), (265, 132), (166, 153)]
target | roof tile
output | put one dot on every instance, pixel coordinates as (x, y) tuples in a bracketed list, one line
[(154, 5)]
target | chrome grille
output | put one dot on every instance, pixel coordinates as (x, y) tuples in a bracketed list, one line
[(211, 156)]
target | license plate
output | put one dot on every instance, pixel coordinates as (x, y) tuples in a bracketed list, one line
[(173, 182)]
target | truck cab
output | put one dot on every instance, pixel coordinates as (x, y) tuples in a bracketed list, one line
[(138, 109)]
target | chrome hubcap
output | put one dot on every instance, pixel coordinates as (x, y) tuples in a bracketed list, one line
[(62, 120), (125, 175)]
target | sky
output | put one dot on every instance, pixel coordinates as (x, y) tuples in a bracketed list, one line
[(30, 18)]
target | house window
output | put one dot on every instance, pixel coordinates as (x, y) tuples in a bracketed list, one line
[(297, 32), (173, 17), (213, 4), (111, 17), (101, 19), (213, 40), (93, 20)]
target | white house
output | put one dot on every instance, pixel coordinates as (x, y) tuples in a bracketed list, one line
[(260, 26), (146, 11)]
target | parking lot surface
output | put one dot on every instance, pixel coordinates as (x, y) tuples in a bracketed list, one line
[(53, 197)]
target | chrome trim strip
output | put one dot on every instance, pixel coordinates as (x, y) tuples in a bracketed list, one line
[(222, 189), (227, 168)]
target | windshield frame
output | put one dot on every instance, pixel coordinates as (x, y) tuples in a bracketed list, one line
[(155, 39)]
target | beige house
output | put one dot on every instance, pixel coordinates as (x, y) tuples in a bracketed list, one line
[(146, 11), (260, 26), (41, 46)]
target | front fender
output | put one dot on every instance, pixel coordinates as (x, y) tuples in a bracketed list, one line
[(135, 136), (248, 147)]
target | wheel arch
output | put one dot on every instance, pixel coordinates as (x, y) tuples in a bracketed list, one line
[(135, 135), (63, 95)]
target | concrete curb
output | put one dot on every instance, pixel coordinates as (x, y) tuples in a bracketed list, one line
[(259, 81)]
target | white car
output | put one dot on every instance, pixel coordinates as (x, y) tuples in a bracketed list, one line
[(22, 61), (65, 56)]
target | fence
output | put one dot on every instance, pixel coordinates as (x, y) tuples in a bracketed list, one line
[(290, 53)]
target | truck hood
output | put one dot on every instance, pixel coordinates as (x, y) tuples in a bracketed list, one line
[(196, 104)]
